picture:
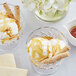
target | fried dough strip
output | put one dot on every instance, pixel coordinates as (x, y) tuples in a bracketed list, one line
[(56, 58), (17, 16), (9, 12), (65, 49), (62, 54)]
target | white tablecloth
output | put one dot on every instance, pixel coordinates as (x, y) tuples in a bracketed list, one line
[(68, 67)]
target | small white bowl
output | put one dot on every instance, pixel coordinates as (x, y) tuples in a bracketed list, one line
[(68, 26)]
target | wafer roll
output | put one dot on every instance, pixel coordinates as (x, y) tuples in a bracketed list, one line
[(65, 49), (17, 16), (56, 58), (9, 12)]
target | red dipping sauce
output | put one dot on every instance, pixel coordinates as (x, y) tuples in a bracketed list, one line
[(73, 31)]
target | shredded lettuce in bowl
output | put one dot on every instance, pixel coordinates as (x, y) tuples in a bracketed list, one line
[(46, 5), (54, 9)]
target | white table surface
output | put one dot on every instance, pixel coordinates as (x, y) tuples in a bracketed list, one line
[(68, 67)]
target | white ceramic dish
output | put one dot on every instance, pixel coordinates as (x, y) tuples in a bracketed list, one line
[(68, 26)]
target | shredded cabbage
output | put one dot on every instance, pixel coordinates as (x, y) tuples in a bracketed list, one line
[(46, 5)]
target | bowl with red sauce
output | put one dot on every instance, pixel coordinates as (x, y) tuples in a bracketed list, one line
[(71, 32)]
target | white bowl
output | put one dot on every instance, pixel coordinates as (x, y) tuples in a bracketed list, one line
[(68, 26)]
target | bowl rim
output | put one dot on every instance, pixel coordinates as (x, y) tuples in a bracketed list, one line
[(68, 24), (46, 27)]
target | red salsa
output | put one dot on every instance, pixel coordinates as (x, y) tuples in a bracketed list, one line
[(73, 31)]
